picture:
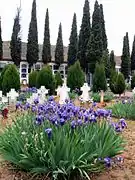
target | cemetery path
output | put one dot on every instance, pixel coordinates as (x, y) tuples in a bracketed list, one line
[(125, 172)]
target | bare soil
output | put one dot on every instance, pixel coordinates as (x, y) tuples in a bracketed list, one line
[(124, 172)]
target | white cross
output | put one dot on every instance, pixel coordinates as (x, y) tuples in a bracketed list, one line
[(85, 92), (12, 95), (58, 90)]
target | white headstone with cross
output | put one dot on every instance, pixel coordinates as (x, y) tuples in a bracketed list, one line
[(4, 100), (85, 92), (42, 94), (64, 93), (12, 95)]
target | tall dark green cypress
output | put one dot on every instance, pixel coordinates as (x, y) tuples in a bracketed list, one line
[(112, 60), (133, 56), (72, 48), (46, 52), (95, 44), (15, 43), (84, 36), (59, 51), (125, 64), (104, 36), (1, 43), (32, 45)]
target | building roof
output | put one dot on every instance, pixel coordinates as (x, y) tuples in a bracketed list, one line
[(6, 52)]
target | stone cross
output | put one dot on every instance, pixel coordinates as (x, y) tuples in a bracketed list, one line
[(85, 92), (42, 94), (12, 95), (64, 93)]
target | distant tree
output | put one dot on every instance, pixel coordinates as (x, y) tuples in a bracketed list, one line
[(59, 51), (99, 79), (46, 53), (106, 63), (11, 79), (125, 65), (58, 79), (33, 78), (112, 60), (112, 84), (133, 56), (104, 36), (120, 84), (2, 75), (1, 43), (95, 44), (46, 78), (32, 45), (15, 43), (72, 48), (75, 76), (84, 36)]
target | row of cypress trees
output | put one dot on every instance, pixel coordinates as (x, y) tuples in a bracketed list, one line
[(89, 47)]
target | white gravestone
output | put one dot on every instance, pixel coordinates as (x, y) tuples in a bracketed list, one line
[(85, 92), (12, 95), (1, 96), (64, 93), (42, 94)]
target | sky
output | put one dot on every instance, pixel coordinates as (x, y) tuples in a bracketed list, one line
[(119, 18)]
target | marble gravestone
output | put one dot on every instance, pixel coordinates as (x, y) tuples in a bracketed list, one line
[(85, 92)]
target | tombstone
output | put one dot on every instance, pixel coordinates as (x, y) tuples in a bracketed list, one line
[(12, 95), (4, 100), (42, 94), (64, 93), (85, 92)]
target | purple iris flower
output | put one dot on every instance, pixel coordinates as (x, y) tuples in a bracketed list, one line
[(79, 122), (36, 101), (117, 128), (123, 123), (48, 131), (27, 106), (39, 118), (34, 109), (93, 119), (62, 121), (107, 162), (18, 105), (73, 124)]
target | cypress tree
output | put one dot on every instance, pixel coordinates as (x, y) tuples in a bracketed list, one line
[(84, 36), (15, 43), (1, 43), (133, 56), (72, 48), (125, 64), (59, 51), (106, 63), (46, 53), (112, 60), (32, 45), (104, 36), (95, 44)]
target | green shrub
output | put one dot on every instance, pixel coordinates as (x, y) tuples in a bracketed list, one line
[(75, 76), (46, 78), (99, 79), (108, 96), (58, 79), (133, 82), (32, 78), (11, 79), (113, 78), (2, 75), (123, 110), (120, 84), (65, 154)]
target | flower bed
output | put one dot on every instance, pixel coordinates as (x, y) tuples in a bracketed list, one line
[(62, 141)]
